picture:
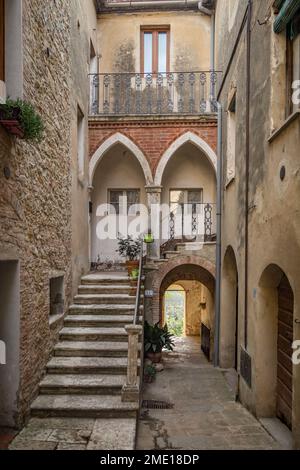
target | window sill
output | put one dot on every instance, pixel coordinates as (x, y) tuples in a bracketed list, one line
[(295, 115)]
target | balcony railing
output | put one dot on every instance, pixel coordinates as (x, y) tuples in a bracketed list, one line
[(153, 94)]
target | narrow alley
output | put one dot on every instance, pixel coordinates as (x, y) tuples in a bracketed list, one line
[(205, 413)]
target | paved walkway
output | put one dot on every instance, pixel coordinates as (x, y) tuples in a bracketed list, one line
[(205, 414)]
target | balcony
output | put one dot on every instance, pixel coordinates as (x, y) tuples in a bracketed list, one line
[(132, 94)]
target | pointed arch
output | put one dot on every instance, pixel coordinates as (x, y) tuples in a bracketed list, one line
[(114, 139), (183, 139)]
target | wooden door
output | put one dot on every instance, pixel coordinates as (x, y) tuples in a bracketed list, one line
[(284, 352), (2, 41)]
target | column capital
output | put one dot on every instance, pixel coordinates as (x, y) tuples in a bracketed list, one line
[(153, 189), (134, 329)]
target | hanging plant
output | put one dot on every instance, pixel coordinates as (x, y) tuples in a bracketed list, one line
[(19, 118)]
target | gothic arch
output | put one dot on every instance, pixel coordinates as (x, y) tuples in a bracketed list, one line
[(187, 137), (130, 145)]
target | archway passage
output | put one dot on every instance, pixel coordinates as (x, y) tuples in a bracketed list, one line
[(229, 308), (198, 286), (174, 309), (274, 367)]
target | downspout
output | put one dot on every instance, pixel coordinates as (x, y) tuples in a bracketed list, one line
[(248, 84), (219, 207), (219, 241)]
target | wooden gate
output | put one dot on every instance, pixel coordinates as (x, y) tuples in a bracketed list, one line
[(284, 352)]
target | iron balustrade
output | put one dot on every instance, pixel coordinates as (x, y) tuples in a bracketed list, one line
[(192, 221), (153, 93)]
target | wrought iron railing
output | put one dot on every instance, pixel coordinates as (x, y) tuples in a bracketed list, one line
[(153, 94), (191, 221)]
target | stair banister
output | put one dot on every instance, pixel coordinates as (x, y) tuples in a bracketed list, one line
[(130, 390)]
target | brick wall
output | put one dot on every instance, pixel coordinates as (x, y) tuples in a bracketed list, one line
[(152, 136)]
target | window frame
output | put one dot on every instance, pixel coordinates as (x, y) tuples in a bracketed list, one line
[(155, 30), (124, 191)]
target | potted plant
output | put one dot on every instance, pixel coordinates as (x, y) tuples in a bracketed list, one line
[(149, 373), (157, 338), (130, 249), (133, 279), (19, 118)]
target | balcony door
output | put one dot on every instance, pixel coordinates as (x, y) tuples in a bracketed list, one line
[(155, 49)]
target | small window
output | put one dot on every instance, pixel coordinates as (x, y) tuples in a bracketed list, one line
[(123, 198), (155, 49), (185, 197), (231, 140), (57, 296), (80, 142), (292, 63), (2, 41)]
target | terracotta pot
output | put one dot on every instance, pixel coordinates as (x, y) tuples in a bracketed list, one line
[(13, 127), (133, 287), (148, 379), (131, 266), (154, 357)]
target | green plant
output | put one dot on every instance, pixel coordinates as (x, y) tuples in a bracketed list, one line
[(157, 338), (134, 275), (150, 371), (129, 248), (31, 122)]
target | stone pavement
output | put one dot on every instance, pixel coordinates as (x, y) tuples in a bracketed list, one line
[(205, 414), (76, 434)]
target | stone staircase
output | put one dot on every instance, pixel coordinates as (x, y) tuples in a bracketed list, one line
[(85, 376)]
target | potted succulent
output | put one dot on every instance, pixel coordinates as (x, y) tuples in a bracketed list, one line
[(130, 248), (19, 118), (149, 373), (133, 279), (157, 338)]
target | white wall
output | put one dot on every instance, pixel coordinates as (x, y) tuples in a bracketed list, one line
[(119, 169)]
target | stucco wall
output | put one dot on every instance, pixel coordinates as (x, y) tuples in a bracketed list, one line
[(119, 40), (274, 225)]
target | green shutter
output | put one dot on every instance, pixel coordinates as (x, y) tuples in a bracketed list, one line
[(286, 14)]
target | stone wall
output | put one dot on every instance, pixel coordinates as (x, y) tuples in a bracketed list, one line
[(35, 195)]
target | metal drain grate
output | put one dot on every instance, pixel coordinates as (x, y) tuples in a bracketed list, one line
[(157, 405)]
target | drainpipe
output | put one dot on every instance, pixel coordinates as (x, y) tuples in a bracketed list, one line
[(219, 207), (248, 84), (219, 241)]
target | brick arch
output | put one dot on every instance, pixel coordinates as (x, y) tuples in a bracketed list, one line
[(108, 143), (186, 137), (192, 267)]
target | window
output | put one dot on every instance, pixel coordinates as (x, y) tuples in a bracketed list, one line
[(292, 62), (80, 142), (231, 139), (155, 49), (57, 296), (184, 197), (123, 198), (2, 41)]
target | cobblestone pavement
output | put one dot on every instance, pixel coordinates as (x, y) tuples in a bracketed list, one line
[(205, 414)]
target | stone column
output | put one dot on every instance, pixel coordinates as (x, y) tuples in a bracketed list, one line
[(154, 202), (130, 391)]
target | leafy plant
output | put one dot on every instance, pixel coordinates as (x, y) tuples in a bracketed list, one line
[(30, 121), (150, 371), (157, 338), (134, 275), (129, 248)]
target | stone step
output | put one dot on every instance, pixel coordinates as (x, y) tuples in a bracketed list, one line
[(170, 254), (104, 289), (93, 334), (94, 299), (103, 309), (91, 349), (113, 434), (87, 365), (55, 384), (105, 278), (83, 406), (98, 320)]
